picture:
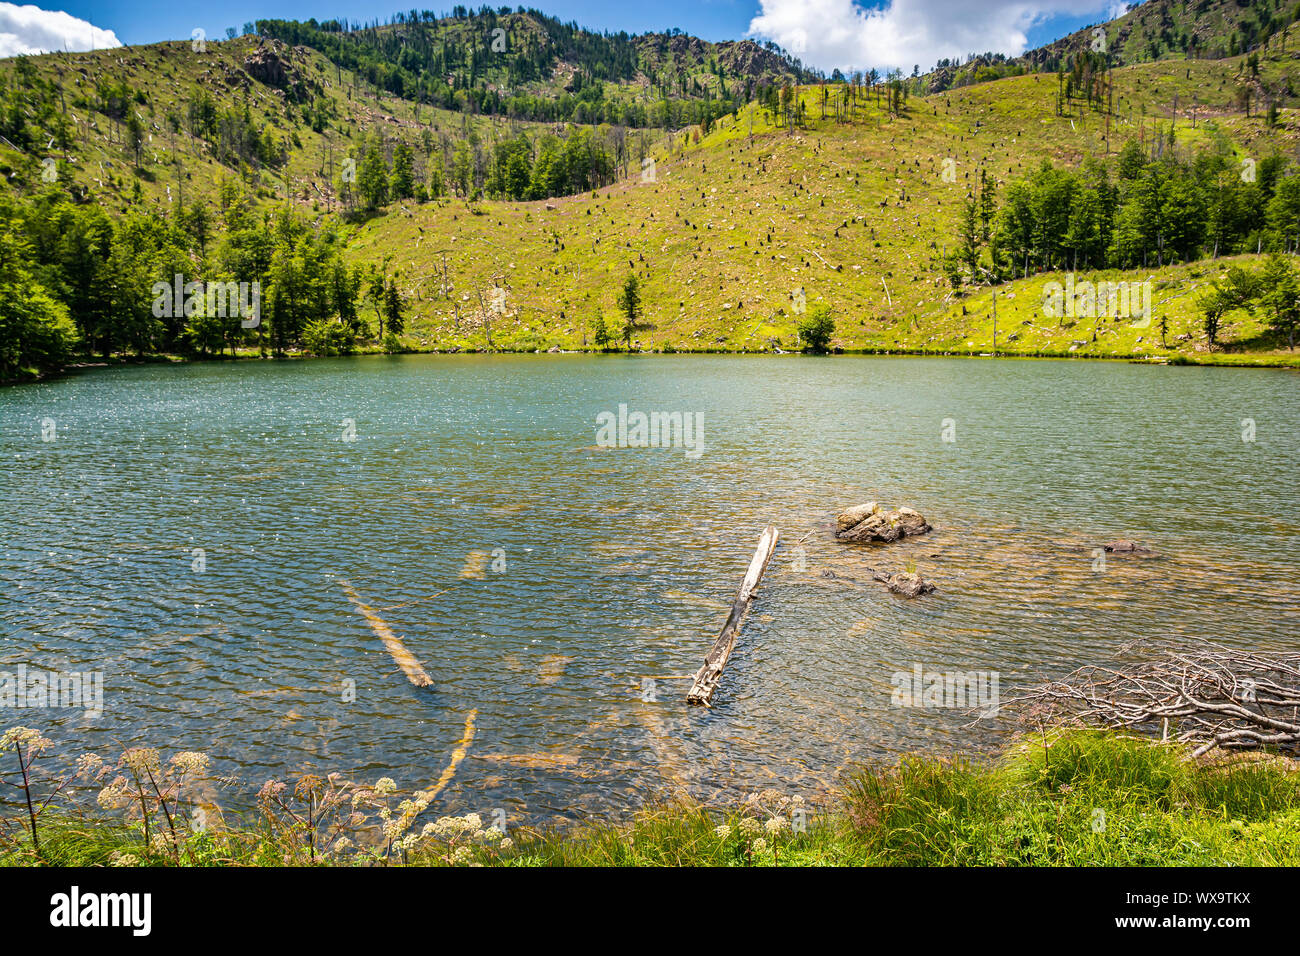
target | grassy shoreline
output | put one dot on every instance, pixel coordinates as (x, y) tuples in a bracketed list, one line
[(1064, 798), (1265, 360)]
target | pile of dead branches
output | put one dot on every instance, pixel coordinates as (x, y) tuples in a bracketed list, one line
[(1210, 697)]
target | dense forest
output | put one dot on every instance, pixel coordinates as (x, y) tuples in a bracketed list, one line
[(501, 62), (1136, 211), (75, 281)]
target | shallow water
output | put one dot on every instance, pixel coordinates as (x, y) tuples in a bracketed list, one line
[(599, 568)]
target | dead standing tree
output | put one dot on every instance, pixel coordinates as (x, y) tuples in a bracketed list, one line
[(1210, 697)]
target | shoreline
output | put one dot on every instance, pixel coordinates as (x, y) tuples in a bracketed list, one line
[(1037, 802), (1250, 360)]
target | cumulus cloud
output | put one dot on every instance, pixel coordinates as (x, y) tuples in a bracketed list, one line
[(827, 34), (29, 29)]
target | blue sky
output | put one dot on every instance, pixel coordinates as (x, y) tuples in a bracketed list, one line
[(825, 33)]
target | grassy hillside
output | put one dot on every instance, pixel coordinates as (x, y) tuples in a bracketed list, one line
[(857, 214), (315, 120), (839, 198)]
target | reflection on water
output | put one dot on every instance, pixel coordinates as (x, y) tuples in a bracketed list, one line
[(557, 591)]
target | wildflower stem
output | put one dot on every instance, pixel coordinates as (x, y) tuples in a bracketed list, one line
[(144, 809), (171, 825), (27, 794)]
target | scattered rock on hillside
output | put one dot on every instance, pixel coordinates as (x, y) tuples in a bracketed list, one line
[(870, 522)]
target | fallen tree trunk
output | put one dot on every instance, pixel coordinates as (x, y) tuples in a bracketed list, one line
[(710, 673), (403, 658)]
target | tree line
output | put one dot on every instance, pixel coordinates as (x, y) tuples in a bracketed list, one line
[(477, 62), (1135, 211), (519, 167), (77, 283)]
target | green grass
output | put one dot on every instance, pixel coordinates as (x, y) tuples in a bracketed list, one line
[(1077, 798)]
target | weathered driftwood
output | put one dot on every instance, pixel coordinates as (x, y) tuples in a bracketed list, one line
[(1208, 696), (710, 673)]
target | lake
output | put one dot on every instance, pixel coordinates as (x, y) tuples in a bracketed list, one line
[(189, 531)]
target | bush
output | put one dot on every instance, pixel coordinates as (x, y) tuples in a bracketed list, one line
[(35, 330), (816, 328), (329, 337)]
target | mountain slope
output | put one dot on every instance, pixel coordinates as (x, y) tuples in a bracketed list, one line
[(856, 214), (517, 233)]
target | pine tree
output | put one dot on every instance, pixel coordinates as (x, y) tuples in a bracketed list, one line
[(629, 300)]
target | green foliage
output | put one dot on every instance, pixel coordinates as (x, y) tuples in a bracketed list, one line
[(1060, 798), (393, 309), (402, 185), (372, 176), (1275, 290), (35, 331), (1279, 296), (816, 328), (460, 63), (105, 276), (329, 337), (1152, 213), (600, 332), (629, 300)]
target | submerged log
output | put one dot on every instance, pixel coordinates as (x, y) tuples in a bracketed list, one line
[(403, 658), (710, 673)]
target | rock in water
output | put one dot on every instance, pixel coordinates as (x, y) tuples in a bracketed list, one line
[(853, 516), (870, 523), (908, 584), (1126, 547)]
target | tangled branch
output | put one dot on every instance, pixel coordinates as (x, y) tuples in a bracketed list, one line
[(1206, 698)]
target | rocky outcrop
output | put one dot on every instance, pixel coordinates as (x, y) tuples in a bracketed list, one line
[(266, 67), (870, 522)]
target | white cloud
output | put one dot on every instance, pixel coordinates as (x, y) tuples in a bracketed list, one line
[(29, 29), (838, 33)]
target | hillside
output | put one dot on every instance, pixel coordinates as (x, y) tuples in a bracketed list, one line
[(857, 214), (505, 61), (483, 200), (278, 120), (1146, 32)]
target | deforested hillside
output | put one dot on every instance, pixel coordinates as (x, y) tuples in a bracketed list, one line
[(857, 201), (1145, 32), (407, 186)]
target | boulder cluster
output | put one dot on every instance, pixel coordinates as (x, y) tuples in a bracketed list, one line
[(870, 522)]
